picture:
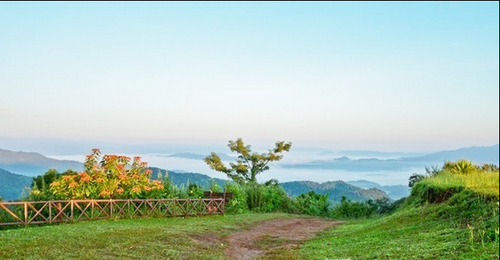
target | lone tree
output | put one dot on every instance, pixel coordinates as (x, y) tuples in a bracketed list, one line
[(248, 164)]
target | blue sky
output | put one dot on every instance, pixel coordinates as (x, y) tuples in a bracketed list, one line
[(411, 76)]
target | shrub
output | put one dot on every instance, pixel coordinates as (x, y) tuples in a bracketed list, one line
[(108, 177), (350, 209), (275, 199), (258, 198), (238, 204), (312, 203)]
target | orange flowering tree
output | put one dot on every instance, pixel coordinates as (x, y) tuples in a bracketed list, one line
[(108, 176)]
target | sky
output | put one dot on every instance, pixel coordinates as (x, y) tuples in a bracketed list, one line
[(407, 76)]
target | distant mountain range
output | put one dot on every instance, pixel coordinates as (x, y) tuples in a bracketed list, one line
[(33, 164), (394, 191), (364, 153), (478, 155), (195, 156)]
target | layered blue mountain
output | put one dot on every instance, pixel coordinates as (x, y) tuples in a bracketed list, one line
[(478, 155), (33, 164), (195, 156)]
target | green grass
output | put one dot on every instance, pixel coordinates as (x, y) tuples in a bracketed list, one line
[(463, 224), (484, 183), (412, 233), (170, 238)]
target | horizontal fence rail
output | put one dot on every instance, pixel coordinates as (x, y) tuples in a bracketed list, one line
[(44, 212)]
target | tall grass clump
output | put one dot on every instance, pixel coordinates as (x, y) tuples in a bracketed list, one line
[(468, 197)]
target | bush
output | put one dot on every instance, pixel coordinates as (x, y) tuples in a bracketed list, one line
[(350, 209), (104, 177), (266, 198), (238, 204), (312, 203), (275, 199), (256, 197)]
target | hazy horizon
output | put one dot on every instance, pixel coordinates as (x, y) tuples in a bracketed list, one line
[(406, 77), (291, 168)]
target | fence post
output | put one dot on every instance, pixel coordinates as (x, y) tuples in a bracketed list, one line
[(50, 211), (25, 213), (72, 210), (110, 208)]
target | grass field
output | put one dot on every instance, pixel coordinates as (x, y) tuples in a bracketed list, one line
[(169, 238), (414, 233), (408, 234)]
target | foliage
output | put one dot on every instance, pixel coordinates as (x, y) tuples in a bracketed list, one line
[(266, 198), (352, 209), (488, 167), (355, 209), (414, 179), (442, 186), (460, 167), (249, 164), (461, 174), (238, 204), (313, 204), (108, 177), (40, 186)]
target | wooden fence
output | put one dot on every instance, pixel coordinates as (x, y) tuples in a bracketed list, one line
[(42, 212)]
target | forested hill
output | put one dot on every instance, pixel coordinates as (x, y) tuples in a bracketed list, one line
[(335, 190), (12, 185), (185, 178)]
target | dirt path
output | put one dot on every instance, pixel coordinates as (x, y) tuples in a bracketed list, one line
[(272, 235)]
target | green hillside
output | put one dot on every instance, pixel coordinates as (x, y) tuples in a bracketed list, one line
[(334, 189), (185, 178), (447, 216), (12, 185)]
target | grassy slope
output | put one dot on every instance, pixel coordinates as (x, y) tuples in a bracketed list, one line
[(169, 238), (462, 225), (408, 234)]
